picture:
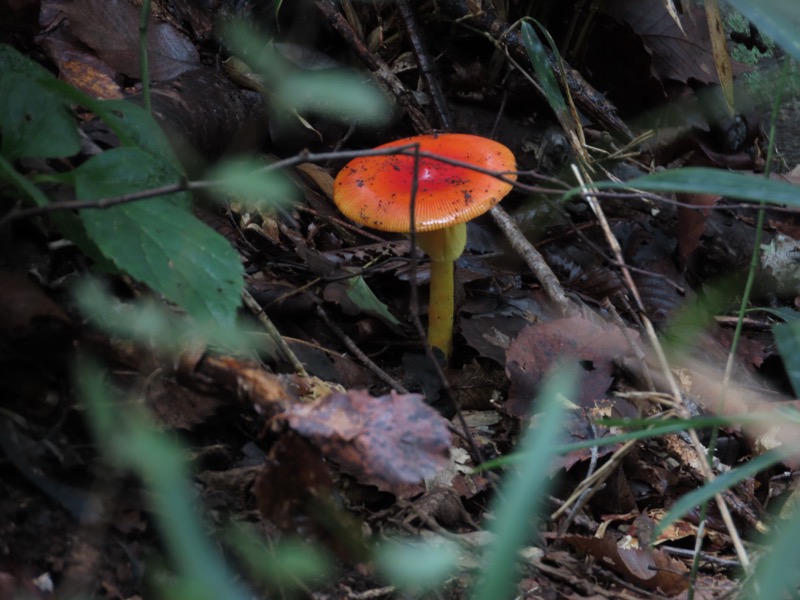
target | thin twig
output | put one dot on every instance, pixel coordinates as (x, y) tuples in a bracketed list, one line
[(388, 80), (425, 64), (301, 157), (534, 260), (708, 473), (273, 332), (359, 354)]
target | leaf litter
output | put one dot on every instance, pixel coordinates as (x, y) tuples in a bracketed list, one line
[(328, 463)]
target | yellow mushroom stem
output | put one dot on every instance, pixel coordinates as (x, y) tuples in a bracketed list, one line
[(443, 246)]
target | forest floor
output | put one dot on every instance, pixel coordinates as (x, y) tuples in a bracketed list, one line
[(335, 428)]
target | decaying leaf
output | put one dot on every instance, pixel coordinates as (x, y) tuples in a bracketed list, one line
[(392, 439), (540, 347)]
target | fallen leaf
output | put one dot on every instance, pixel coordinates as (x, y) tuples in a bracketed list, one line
[(115, 38), (541, 347), (392, 439), (650, 569)]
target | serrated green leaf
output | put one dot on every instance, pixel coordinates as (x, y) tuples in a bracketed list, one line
[(34, 122), (125, 170), (246, 181), (159, 241), (787, 337), (360, 293)]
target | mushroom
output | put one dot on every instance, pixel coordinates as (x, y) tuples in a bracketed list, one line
[(375, 191)]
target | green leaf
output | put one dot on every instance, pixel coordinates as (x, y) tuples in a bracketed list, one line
[(34, 121), (335, 94), (360, 293), (245, 180), (132, 441), (778, 19), (721, 483), (418, 566), (134, 126), (38, 111), (777, 573), (787, 337), (159, 241), (150, 322), (712, 181), (544, 72)]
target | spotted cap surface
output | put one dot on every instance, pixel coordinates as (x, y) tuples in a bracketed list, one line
[(375, 191)]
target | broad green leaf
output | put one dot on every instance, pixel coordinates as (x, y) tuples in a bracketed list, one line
[(246, 181), (778, 19), (159, 241), (34, 121), (134, 126), (335, 94), (126, 170), (360, 293), (712, 181), (787, 337)]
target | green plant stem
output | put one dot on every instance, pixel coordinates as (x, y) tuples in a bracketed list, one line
[(145, 17)]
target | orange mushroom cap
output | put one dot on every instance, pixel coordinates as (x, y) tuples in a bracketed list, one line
[(375, 191)]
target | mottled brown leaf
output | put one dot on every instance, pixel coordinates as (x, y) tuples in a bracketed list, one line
[(542, 346), (395, 438)]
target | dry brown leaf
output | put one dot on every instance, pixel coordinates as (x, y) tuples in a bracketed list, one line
[(111, 29), (392, 439), (649, 569), (541, 347)]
